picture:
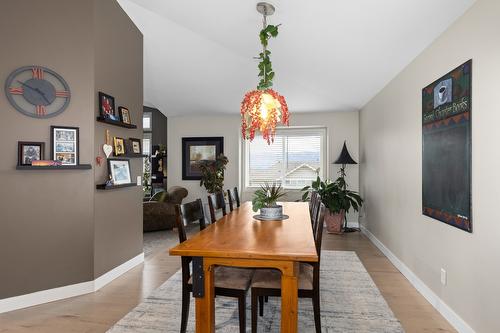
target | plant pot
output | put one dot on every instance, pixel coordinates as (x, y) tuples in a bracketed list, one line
[(334, 222), (272, 212)]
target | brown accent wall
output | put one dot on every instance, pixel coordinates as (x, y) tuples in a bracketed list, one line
[(50, 233)]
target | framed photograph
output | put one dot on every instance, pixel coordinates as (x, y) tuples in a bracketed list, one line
[(64, 144), (135, 145), (124, 114), (107, 106), (119, 144), (28, 152), (119, 171), (195, 150)]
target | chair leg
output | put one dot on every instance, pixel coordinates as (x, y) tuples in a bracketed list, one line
[(261, 306), (266, 299), (317, 312), (254, 312), (186, 296), (242, 313)]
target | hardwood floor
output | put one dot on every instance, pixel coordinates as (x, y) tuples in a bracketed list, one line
[(98, 311)]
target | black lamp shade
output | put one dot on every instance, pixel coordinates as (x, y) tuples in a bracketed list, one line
[(345, 157)]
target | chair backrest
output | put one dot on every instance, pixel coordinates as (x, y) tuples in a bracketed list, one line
[(312, 200), (318, 238), (234, 198), (216, 202)]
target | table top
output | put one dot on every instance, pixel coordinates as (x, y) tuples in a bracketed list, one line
[(239, 235)]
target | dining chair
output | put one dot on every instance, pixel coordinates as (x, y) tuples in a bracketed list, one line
[(234, 198), (215, 202), (229, 281), (315, 206), (267, 282)]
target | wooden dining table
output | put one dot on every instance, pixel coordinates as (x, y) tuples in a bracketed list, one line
[(239, 240)]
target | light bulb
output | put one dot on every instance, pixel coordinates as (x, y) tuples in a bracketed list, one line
[(263, 111)]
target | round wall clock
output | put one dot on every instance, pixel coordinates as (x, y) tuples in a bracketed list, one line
[(37, 92)]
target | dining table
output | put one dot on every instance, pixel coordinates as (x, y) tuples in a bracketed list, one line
[(240, 240)]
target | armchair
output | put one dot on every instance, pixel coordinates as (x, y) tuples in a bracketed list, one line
[(159, 212)]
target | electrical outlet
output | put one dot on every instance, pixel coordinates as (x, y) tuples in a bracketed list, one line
[(139, 181), (443, 277)]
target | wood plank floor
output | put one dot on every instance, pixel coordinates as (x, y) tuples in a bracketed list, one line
[(98, 311)]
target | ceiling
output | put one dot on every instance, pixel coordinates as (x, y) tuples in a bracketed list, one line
[(330, 55)]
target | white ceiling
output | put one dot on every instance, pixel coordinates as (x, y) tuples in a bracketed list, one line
[(330, 55)]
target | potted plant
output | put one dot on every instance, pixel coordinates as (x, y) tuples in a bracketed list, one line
[(265, 199), (337, 199), (212, 174)]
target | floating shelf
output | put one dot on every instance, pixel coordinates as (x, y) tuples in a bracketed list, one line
[(55, 167), (130, 156), (115, 122), (112, 187)]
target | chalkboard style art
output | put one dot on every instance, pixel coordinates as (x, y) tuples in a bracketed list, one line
[(446, 148)]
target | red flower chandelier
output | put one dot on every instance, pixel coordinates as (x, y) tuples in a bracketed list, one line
[(264, 108)]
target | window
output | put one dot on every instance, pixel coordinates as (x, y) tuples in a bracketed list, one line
[(297, 157), (146, 121)]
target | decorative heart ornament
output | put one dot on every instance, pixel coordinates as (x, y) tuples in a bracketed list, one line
[(107, 149)]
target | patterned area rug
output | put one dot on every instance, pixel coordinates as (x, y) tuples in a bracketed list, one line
[(350, 302)]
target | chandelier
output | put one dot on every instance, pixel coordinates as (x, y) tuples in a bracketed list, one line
[(264, 108)]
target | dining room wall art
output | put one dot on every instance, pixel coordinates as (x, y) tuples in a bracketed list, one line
[(28, 152), (447, 147), (197, 149), (64, 144)]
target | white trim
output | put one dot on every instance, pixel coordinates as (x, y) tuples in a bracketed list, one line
[(55, 294), (453, 318)]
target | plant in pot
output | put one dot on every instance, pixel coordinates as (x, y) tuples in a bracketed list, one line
[(337, 199), (265, 199), (212, 174)]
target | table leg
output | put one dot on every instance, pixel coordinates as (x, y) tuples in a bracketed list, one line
[(289, 300), (205, 306)]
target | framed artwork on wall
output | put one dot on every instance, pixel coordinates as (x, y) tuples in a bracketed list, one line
[(119, 171), (64, 144), (107, 106), (119, 144), (197, 149), (135, 145), (124, 114), (447, 148), (28, 152)]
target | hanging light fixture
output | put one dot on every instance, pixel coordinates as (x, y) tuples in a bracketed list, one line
[(264, 108)]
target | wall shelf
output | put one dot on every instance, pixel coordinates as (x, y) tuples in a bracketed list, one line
[(55, 167), (115, 122), (112, 187), (131, 156)]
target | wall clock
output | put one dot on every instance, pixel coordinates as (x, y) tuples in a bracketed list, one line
[(37, 92)]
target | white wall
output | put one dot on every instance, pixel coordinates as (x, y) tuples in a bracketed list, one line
[(391, 173), (340, 126)]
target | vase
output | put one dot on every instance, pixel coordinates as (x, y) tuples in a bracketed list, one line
[(334, 222), (273, 212)]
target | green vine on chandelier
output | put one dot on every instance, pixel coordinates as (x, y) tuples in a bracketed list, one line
[(265, 66)]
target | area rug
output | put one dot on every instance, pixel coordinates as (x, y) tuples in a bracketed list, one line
[(350, 302)]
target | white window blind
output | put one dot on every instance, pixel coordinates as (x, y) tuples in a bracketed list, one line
[(295, 158)]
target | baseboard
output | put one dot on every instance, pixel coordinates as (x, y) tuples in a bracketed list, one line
[(352, 224), (453, 318), (55, 294)]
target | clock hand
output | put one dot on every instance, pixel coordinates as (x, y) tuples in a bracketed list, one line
[(26, 85), (35, 89)]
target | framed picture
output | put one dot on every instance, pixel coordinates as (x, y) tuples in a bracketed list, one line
[(195, 150), (28, 152), (135, 145), (124, 115), (64, 144), (107, 106), (447, 148), (119, 146), (119, 171)]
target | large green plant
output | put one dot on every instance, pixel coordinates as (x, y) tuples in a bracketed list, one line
[(267, 196), (265, 66), (212, 174), (334, 195)]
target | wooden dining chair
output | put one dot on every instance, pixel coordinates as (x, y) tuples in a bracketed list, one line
[(215, 202), (315, 206), (234, 198), (229, 281), (267, 282)]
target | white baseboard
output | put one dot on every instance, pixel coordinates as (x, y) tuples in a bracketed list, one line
[(55, 294), (453, 318)]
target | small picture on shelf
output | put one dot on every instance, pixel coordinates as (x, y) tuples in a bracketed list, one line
[(29, 152), (107, 106), (124, 115), (64, 144), (119, 171), (119, 146), (136, 146)]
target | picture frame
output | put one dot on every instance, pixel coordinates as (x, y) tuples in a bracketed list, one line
[(107, 106), (124, 114), (119, 171), (119, 146), (65, 144), (196, 149), (28, 151), (135, 145)]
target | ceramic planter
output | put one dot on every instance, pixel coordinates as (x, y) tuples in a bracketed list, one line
[(272, 212), (334, 222)]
